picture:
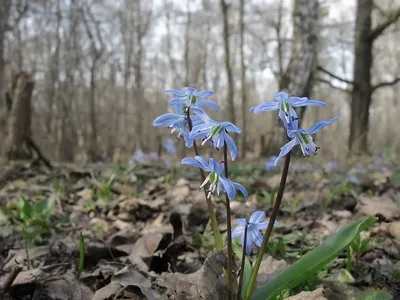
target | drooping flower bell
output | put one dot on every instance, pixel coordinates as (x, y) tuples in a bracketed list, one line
[(190, 97), (286, 105), (304, 139), (215, 132), (178, 122), (253, 227), (216, 178)]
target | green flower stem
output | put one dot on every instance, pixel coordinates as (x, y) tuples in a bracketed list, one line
[(274, 214), (229, 227), (242, 264), (210, 206)]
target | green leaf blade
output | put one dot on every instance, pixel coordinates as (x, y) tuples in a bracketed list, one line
[(314, 260)]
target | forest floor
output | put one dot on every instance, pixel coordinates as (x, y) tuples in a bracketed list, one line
[(137, 225)]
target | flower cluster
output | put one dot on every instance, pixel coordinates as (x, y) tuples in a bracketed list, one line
[(287, 114), (192, 122)]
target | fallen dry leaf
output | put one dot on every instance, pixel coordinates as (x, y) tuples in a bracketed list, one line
[(372, 206), (394, 229), (17, 257), (269, 268), (145, 247), (206, 283)]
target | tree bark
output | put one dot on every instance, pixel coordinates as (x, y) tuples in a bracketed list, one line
[(227, 60), (4, 14), (20, 115), (243, 81), (362, 90)]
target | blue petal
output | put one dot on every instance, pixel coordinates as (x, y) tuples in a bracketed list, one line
[(167, 120), (266, 106), (231, 127), (257, 217), (200, 131), (191, 162), (228, 187), (260, 226), (238, 231), (230, 143), (179, 108), (215, 166), (257, 238), (319, 125), (188, 140), (279, 96), (176, 101), (190, 91), (241, 189), (202, 115), (205, 94), (304, 101), (249, 242), (241, 222), (290, 121), (207, 103), (286, 149), (206, 165), (199, 162), (176, 92), (218, 140)]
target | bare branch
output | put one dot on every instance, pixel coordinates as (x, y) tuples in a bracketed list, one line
[(392, 17), (319, 68), (385, 83), (332, 86)]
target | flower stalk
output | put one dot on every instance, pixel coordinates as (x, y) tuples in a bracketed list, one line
[(271, 223), (242, 264), (229, 227), (210, 206)]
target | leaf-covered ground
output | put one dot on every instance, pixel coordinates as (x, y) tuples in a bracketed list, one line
[(145, 231)]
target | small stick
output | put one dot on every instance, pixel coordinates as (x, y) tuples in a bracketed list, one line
[(10, 279)]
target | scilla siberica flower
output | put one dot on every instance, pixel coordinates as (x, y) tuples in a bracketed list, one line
[(304, 139), (214, 132), (190, 97), (285, 105), (178, 122), (216, 177), (253, 226)]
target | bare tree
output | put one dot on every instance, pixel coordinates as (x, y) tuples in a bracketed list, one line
[(227, 61), (365, 36), (362, 87), (243, 80), (96, 49)]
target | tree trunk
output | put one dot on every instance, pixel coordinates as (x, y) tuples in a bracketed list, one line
[(362, 90), (231, 106), (20, 115)]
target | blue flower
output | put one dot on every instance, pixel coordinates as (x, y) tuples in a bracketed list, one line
[(215, 132), (285, 105), (254, 225), (153, 155), (270, 163), (169, 146), (331, 165), (353, 179), (190, 97), (304, 139), (216, 177), (138, 156), (178, 122)]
